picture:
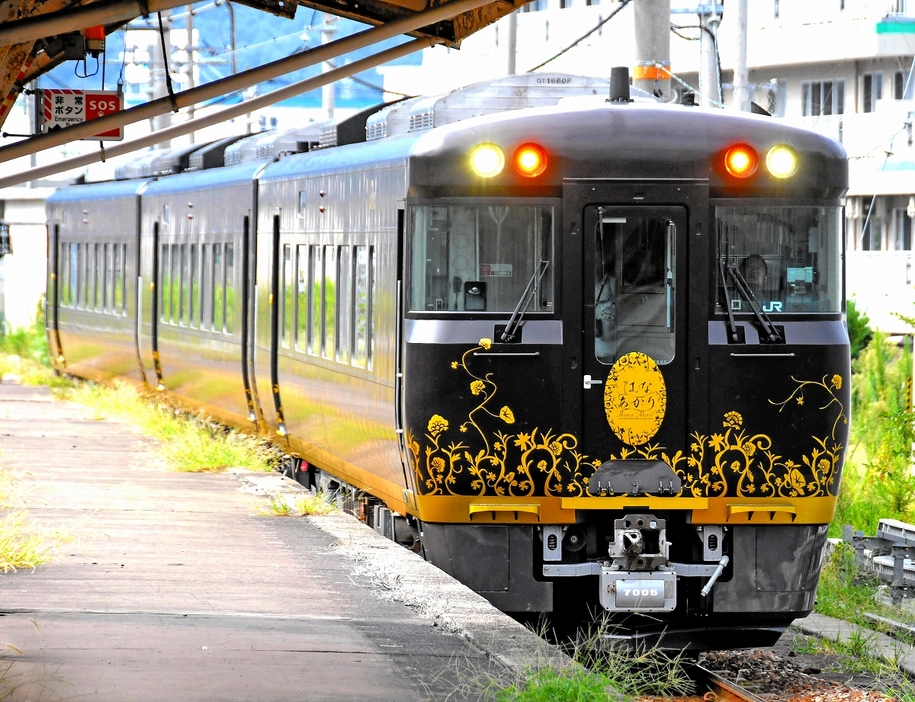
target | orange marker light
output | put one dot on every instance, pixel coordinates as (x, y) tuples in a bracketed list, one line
[(487, 160), (530, 160), (741, 161)]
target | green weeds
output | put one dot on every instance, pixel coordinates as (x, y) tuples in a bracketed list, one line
[(300, 506), (189, 442), (604, 670), (23, 545)]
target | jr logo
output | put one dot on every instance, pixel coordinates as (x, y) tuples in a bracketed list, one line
[(774, 306)]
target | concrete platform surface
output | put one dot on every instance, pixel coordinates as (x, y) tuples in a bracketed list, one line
[(173, 586)]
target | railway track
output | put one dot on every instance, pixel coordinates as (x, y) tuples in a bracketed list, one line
[(712, 687)]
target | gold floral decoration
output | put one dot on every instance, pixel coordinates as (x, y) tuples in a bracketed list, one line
[(734, 462)]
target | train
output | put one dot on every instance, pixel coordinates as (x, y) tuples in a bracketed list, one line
[(583, 350)]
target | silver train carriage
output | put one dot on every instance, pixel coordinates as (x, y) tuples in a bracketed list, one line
[(589, 353)]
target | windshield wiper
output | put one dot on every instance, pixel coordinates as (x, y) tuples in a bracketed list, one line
[(740, 283), (732, 327), (508, 334)]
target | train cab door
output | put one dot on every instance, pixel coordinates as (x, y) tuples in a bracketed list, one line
[(636, 342), (52, 304)]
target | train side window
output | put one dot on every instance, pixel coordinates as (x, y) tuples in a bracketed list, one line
[(370, 334), (105, 274), (184, 287), (360, 305), (229, 284), (100, 277), (85, 295), (89, 266), (118, 292), (73, 263), (316, 285), (177, 272), (287, 306), (301, 297), (206, 288), (497, 247), (63, 281), (219, 302), (165, 284), (330, 295), (195, 286), (110, 250), (94, 286), (344, 303)]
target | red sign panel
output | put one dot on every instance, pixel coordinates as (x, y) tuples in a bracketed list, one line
[(64, 108)]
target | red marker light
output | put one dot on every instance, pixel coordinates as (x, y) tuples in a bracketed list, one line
[(741, 161), (530, 160)]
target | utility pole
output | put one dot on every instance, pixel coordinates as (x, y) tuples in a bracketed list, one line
[(190, 61), (741, 71), (512, 42), (709, 83), (327, 91), (652, 47)]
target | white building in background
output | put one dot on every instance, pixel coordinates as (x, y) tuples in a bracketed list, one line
[(841, 67)]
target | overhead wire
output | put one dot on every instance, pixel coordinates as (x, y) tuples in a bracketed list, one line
[(583, 37)]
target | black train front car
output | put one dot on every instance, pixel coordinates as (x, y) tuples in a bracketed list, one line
[(593, 352)]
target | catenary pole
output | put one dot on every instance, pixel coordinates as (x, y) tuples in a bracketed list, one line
[(652, 47), (741, 71)]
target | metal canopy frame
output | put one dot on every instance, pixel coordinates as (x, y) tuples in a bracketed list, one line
[(27, 26)]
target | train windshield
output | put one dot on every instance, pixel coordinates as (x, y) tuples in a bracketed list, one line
[(481, 258), (789, 258)]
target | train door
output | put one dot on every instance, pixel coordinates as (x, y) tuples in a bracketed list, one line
[(249, 303), (52, 303), (635, 336), (266, 359)]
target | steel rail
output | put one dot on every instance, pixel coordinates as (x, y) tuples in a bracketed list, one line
[(261, 74), (716, 688)]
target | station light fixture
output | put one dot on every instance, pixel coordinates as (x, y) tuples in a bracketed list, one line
[(487, 160), (782, 161)]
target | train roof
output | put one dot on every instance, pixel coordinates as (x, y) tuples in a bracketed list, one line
[(242, 174), (640, 139), (379, 153), (99, 191)]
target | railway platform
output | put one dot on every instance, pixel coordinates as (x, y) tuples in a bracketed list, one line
[(173, 586)]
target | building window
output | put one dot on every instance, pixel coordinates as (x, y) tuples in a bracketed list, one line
[(823, 97), (871, 90), (903, 230), (872, 229)]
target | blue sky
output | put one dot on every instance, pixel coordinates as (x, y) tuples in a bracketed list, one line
[(260, 38)]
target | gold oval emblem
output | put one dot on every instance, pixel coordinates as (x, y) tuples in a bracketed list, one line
[(635, 398)]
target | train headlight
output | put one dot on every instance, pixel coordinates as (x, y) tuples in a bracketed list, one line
[(782, 161), (487, 160), (530, 160), (741, 161)]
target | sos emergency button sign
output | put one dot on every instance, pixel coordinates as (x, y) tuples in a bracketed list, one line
[(65, 108)]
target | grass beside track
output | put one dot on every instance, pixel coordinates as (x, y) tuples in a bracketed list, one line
[(189, 442)]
